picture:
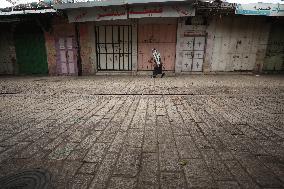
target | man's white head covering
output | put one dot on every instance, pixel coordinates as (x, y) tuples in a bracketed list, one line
[(157, 56)]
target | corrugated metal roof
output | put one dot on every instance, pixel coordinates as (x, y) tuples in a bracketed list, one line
[(111, 3), (33, 7), (40, 11)]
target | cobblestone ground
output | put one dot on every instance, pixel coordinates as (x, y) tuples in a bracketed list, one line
[(136, 132)]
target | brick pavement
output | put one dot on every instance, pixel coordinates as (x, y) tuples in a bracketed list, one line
[(135, 132)]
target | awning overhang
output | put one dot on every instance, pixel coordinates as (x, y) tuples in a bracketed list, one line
[(94, 3)]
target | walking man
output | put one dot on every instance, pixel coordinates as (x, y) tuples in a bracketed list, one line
[(158, 66)]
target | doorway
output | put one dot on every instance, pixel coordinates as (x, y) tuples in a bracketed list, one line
[(67, 56)]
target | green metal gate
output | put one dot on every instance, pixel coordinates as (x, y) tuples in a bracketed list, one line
[(30, 49)]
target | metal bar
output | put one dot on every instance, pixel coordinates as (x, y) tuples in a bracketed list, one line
[(131, 48), (119, 45), (112, 47), (97, 46), (128, 46), (114, 53), (79, 59), (192, 53), (105, 46), (111, 43), (123, 45)]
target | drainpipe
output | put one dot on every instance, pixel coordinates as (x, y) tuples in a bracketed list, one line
[(79, 60)]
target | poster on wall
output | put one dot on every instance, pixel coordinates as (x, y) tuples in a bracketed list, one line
[(265, 9), (97, 14), (161, 11)]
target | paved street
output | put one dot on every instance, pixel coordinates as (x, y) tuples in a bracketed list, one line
[(200, 131)]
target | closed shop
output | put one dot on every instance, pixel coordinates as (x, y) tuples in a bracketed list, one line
[(62, 48), (67, 56), (114, 47), (236, 41), (159, 33), (126, 35), (30, 49)]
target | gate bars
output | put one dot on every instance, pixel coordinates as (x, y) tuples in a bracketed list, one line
[(103, 44)]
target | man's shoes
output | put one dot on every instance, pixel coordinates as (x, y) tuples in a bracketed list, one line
[(163, 74), (153, 76)]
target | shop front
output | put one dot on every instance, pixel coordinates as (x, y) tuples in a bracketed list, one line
[(123, 36)]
